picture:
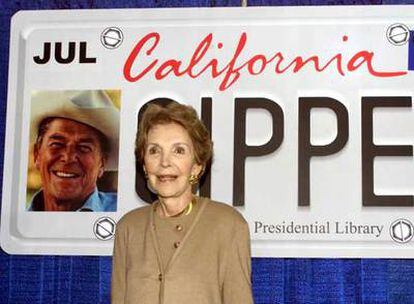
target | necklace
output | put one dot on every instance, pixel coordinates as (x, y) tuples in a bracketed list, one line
[(187, 210)]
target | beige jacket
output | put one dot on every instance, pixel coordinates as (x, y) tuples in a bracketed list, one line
[(211, 266)]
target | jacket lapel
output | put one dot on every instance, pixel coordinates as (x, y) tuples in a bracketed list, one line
[(164, 268)]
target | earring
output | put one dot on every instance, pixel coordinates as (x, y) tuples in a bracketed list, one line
[(193, 179), (150, 187), (148, 182)]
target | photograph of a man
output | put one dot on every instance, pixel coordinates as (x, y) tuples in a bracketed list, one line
[(75, 140)]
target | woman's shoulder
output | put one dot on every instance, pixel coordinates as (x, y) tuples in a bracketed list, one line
[(222, 212)]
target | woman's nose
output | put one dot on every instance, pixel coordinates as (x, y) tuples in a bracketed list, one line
[(165, 160)]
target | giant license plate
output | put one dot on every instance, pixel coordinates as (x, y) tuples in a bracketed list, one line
[(310, 111)]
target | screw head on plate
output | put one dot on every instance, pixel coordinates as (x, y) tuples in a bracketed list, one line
[(112, 37), (398, 34), (104, 228), (402, 231)]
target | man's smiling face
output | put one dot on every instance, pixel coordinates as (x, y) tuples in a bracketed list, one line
[(70, 160)]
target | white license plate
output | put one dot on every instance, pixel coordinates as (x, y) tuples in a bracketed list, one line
[(310, 110)]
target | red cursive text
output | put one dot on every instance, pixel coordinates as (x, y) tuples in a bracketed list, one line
[(232, 70)]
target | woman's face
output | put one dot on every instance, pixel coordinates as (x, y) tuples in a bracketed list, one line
[(169, 160)]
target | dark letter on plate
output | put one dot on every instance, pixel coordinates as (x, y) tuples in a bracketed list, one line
[(307, 150), (241, 150), (370, 151)]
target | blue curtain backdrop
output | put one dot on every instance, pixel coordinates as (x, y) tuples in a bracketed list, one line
[(80, 279)]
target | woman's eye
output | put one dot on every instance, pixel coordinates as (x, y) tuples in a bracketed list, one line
[(153, 150), (179, 150)]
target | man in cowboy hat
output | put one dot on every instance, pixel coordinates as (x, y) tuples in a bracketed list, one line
[(76, 141)]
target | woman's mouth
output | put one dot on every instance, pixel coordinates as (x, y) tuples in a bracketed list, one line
[(166, 177)]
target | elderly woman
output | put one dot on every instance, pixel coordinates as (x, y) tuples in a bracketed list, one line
[(183, 249)]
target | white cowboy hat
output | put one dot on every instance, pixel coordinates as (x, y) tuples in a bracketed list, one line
[(91, 107)]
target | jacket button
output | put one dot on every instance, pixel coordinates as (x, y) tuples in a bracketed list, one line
[(177, 244), (179, 228), (160, 277)]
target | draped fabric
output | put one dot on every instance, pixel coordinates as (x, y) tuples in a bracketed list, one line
[(81, 279), (64, 279)]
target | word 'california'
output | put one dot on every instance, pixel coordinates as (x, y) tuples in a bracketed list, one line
[(233, 69)]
